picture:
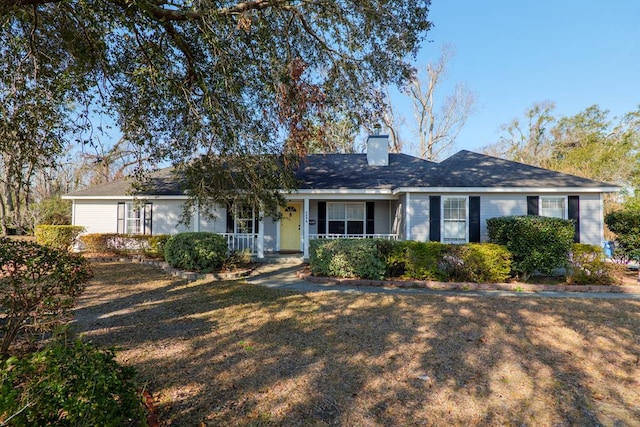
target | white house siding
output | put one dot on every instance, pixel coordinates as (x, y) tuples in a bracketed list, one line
[(591, 226), (215, 223), (166, 216), (270, 234), (96, 216), (398, 226), (419, 217), (382, 217), (493, 206)]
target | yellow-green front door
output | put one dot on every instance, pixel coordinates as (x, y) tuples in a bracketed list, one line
[(290, 228)]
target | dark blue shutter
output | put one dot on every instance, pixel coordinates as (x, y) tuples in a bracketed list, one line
[(532, 205), (434, 218), (230, 221), (370, 220), (474, 218), (120, 227), (574, 214), (147, 220), (322, 217)]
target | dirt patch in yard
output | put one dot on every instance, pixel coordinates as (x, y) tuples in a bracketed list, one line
[(234, 354)]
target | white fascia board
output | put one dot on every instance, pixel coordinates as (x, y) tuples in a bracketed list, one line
[(324, 191), (127, 197), (341, 195), (526, 190)]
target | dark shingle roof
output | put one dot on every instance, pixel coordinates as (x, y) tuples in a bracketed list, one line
[(351, 171), (469, 169), (163, 182)]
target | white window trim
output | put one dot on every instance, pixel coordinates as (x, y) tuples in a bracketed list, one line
[(345, 203), (466, 217), (138, 217), (134, 212), (565, 200), (237, 219)]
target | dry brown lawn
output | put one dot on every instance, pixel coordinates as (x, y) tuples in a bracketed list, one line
[(236, 354)]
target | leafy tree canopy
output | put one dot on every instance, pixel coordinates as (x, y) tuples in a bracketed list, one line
[(589, 144), (228, 79)]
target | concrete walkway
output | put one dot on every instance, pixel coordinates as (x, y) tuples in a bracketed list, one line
[(283, 276)]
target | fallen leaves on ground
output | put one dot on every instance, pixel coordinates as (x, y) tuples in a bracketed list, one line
[(228, 353)]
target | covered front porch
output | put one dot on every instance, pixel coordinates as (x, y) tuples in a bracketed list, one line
[(308, 218)]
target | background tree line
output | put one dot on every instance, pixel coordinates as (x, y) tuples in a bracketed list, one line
[(590, 144)]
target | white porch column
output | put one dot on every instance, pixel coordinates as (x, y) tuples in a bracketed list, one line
[(260, 242), (305, 229), (407, 222), (196, 218)]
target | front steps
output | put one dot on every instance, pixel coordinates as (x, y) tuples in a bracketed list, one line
[(289, 259)]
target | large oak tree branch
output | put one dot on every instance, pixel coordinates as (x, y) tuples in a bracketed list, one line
[(158, 9)]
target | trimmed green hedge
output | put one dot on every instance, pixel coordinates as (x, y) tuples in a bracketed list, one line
[(377, 259), (117, 244), (538, 244), (196, 251), (476, 262), (346, 258), (60, 237)]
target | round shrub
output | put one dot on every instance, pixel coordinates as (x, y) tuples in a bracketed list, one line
[(587, 266), (538, 244), (196, 251), (69, 385), (38, 288)]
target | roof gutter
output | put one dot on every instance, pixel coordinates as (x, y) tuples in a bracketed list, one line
[(527, 190)]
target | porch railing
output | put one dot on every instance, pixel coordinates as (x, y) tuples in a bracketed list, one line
[(241, 242), (353, 236)]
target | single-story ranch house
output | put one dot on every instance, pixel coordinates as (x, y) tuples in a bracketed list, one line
[(377, 194)]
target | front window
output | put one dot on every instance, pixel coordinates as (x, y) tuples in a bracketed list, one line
[(244, 220), (133, 219), (553, 207), (454, 214), (346, 218)]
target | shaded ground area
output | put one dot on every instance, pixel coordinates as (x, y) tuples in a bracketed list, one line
[(237, 354)]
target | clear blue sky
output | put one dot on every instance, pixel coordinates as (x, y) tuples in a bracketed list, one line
[(511, 54)]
